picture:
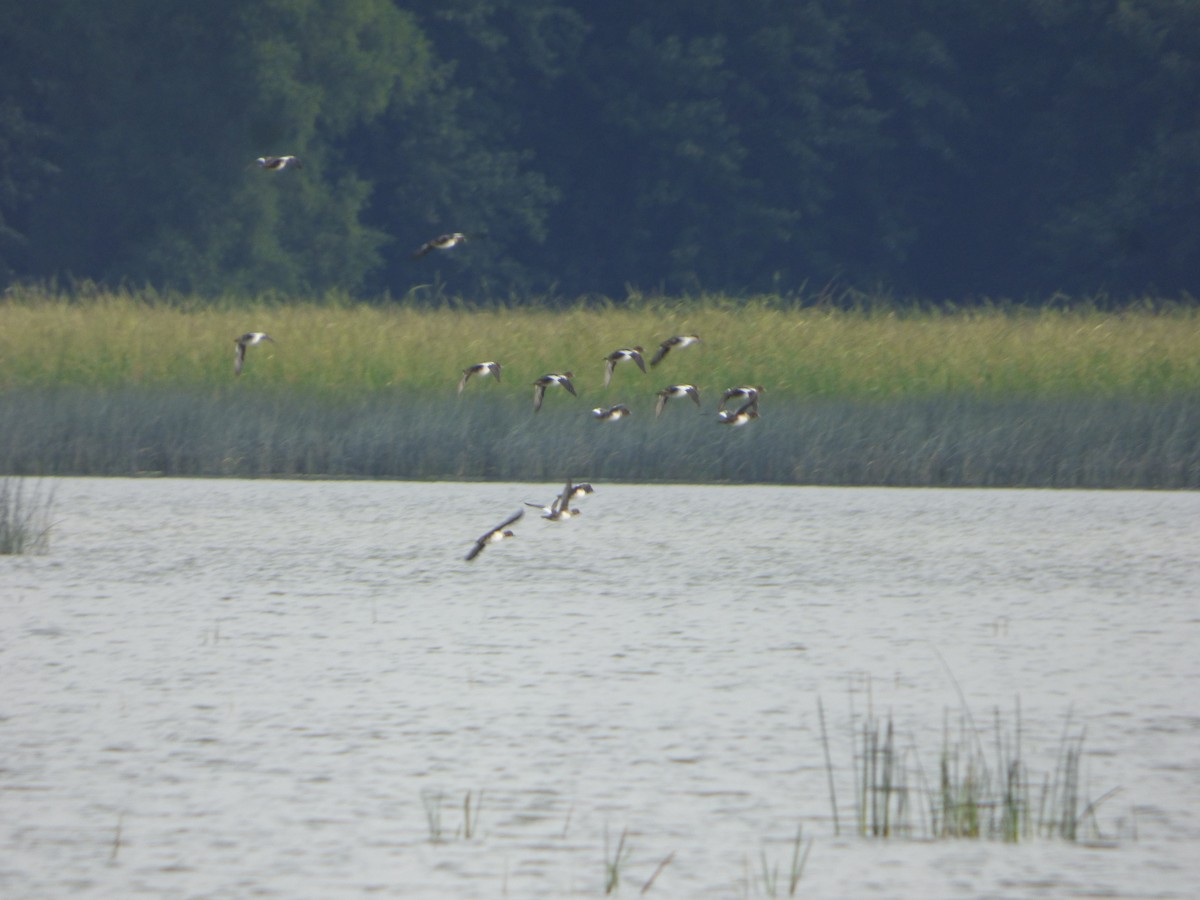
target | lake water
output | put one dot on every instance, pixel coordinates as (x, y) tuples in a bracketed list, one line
[(288, 689)]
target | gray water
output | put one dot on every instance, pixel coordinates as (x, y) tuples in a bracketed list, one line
[(288, 689)]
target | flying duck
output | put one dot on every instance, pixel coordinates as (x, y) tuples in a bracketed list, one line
[(559, 508), (582, 490), (680, 340), (481, 369), (249, 339), (747, 412), (749, 393), (562, 379), (611, 413), (441, 242), (278, 163), (610, 361), (499, 533), (675, 390)]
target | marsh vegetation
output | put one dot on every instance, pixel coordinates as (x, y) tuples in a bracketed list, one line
[(25, 513), (118, 384)]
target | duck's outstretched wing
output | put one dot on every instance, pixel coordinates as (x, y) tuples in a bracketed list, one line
[(510, 520), (564, 501), (488, 536)]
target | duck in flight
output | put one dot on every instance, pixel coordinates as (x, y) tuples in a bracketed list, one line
[(482, 369), (679, 340), (561, 507), (441, 242), (747, 412), (499, 533), (278, 163), (249, 339), (561, 379), (582, 490), (675, 390), (744, 392), (611, 413), (625, 353)]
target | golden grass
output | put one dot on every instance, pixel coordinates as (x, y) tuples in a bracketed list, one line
[(120, 339)]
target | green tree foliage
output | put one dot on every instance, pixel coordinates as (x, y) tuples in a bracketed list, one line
[(730, 137), (934, 146), (461, 156), (25, 165), (158, 138), (1125, 202)]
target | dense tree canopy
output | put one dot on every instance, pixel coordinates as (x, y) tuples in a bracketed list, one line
[(931, 147)]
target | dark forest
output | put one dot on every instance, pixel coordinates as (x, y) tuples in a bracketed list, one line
[(923, 148)]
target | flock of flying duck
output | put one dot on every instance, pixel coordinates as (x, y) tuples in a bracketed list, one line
[(747, 412), (560, 508)]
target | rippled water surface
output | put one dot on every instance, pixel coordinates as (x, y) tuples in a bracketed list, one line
[(288, 689)]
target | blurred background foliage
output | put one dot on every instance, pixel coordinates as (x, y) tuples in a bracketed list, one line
[(929, 148)]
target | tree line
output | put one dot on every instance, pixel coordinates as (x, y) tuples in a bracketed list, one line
[(927, 148)]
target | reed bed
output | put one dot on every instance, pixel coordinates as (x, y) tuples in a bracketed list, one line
[(800, 352), (942, 441), (122, 383)]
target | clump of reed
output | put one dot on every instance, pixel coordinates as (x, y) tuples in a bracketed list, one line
[(974, 794), (614, 861), (617, 859), (434, 802), (24, 517), (771, 883)]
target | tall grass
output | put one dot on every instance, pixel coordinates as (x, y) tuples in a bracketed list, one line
[(116, 340), (945, 441), (24, 518), (117, 383), (974, 794)]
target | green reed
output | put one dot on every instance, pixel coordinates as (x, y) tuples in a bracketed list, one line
[(799, 858), (976, 795), (434, 802), (615, 861), (800, 351), (947, 441), (24, 518)]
